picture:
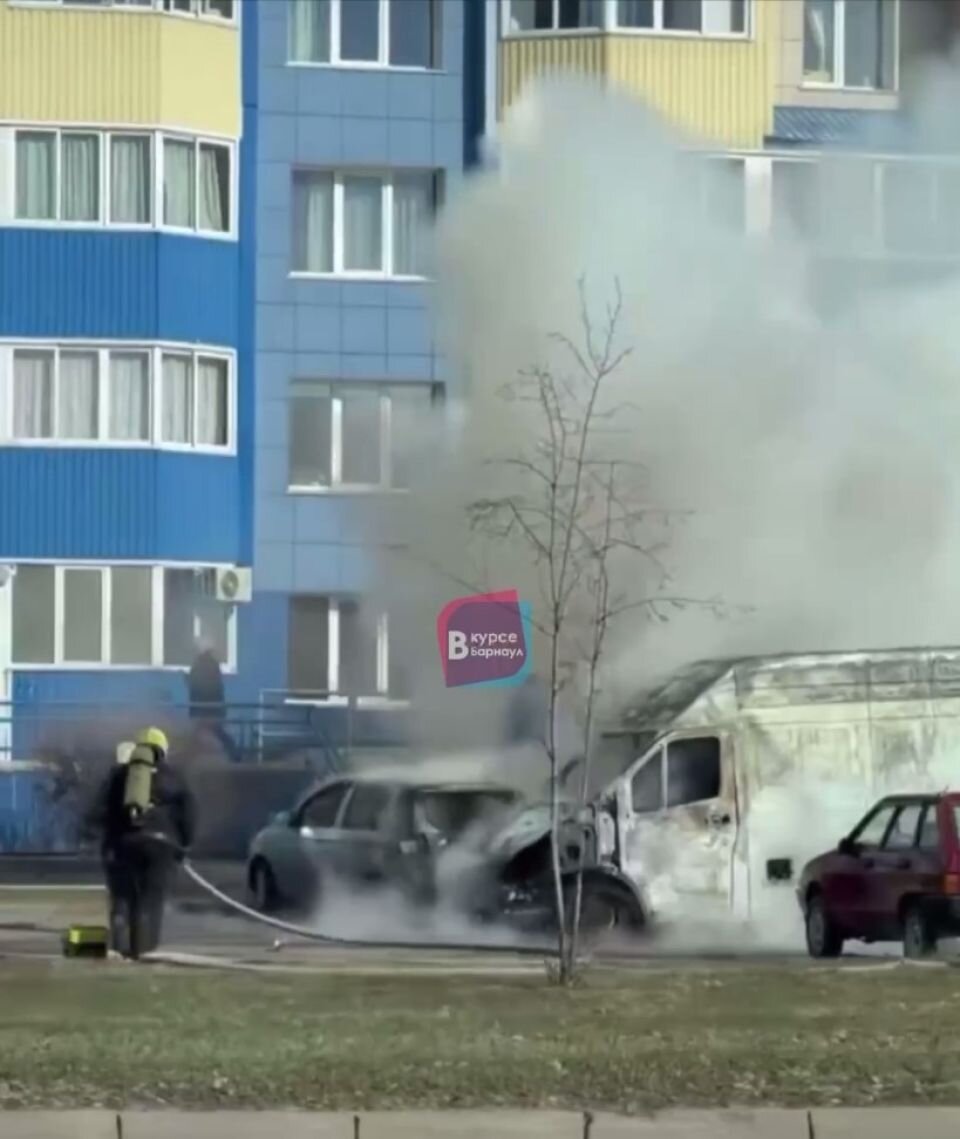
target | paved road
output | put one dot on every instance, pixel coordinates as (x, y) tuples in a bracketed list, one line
[(34, 910)]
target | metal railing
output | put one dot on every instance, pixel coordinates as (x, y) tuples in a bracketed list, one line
[(45, 743)]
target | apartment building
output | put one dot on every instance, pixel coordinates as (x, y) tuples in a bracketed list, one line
[(772, 86), (125, 380), (367, 114)]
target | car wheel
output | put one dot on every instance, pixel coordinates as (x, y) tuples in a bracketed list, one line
[(823, 937), (263, 887), (919, 936), (603, 911)]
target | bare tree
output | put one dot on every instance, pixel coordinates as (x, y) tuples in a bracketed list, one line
[(575, 502)]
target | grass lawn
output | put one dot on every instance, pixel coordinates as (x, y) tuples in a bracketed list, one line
[(85, 1034)]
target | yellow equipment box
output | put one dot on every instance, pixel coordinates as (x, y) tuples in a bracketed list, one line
[(86, 941)]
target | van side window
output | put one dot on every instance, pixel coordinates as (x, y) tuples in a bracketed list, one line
[(646, 790), (693, 770)]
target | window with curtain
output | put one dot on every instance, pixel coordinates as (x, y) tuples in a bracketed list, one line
[(179, 183), (339, 221), (850, 43), (77, 396), (129, 397), (413, 208), (179, 616), (308, 31), (34, 636), (214, 187), (83, 616), (131, 182), (212, 405), (361, 428), (131, 615), (36, 166), (33, 373), (313, 222), (311, 436), (176, 399), (104, 614), (359, 435), (388, 33), (80, 177), (362, 225)]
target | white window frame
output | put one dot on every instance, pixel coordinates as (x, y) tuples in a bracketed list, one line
[(387, 178), (155, 352), (609, 24), (9, 131), (200, 9), (382, 62), (838, 83), (336, 392), (381, 698), (156, 662), (760, 175)]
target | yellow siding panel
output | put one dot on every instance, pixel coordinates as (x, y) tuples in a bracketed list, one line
[(118, 67), (534, 57), (721, 90), (200, 81)]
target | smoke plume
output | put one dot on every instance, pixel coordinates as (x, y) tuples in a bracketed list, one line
[(801, 423)]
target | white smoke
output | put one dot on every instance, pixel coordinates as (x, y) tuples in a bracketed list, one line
[(807, 426)]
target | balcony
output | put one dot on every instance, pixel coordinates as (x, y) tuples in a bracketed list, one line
[(119, 66), (715, 81)]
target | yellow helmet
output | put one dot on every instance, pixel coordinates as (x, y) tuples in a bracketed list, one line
[(155, 738)]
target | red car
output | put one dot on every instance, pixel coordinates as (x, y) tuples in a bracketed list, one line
[(897, 875)]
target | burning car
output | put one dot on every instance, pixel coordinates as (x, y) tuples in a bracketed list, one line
[(370, 831)]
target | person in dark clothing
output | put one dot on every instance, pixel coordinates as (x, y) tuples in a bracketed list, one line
[(146, 816), (205, 685), (207, 699)]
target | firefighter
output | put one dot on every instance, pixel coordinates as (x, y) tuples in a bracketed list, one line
[(146, 816)]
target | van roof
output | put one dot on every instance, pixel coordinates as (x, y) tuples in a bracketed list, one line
[(800, 678)]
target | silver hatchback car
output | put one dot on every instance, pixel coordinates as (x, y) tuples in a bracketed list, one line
[(368, 831)]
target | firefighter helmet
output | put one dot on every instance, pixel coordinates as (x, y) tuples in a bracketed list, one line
[(155, 738)]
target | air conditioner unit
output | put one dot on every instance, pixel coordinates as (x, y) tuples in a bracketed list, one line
[(234, 584)]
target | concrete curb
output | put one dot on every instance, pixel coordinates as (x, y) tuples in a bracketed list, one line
[(772, 1123)]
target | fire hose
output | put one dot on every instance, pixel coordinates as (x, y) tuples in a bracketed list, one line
[(351, 943)]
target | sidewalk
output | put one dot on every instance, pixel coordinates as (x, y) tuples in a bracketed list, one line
[(839, 1123)]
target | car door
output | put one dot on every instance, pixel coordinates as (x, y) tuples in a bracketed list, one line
[(363, 833), (317, 827), (681, 826), (893, 875), (846, 878)]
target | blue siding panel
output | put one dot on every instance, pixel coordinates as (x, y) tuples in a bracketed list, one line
[(262, 640), (339, 330), (247, 338), (58, 283), (104, 504)]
